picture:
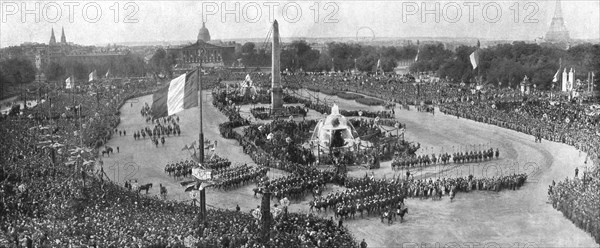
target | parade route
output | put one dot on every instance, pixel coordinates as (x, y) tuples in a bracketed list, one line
[(520, 218)]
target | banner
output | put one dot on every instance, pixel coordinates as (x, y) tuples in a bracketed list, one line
[(69, 83), (201, 174)]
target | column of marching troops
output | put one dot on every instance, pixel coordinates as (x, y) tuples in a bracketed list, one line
[(457, 157)]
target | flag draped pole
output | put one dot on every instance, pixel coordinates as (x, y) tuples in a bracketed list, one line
[(201, 136), (478, 67)]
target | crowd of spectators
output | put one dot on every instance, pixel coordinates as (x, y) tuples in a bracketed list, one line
[(54, 192), (578, 200)]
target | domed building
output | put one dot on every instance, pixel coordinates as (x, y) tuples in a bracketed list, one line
[(203, 51), (204, 35)]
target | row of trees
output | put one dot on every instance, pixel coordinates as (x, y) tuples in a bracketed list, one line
[(121, 66), (504, 64), (16, 71), (299, 55), (508, 64)]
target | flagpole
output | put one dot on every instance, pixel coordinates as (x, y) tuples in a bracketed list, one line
[(72, 88), (201, 138), (478, 66)]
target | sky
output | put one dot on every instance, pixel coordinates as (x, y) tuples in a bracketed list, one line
[(112, 21)]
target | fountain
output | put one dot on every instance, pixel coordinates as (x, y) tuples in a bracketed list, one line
[(247, 87), (334, 131)]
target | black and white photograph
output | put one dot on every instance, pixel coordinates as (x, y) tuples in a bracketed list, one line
[(308, 124)]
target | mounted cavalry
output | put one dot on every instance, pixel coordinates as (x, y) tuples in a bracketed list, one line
[(107, 150)]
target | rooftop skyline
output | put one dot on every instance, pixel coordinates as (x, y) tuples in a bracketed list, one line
[(146, 21)]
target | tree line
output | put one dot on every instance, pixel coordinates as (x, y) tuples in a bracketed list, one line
[(503, 64), (507, 64)]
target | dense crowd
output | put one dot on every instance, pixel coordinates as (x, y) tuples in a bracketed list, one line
[(578, 200), (54, 192), (51, 196)]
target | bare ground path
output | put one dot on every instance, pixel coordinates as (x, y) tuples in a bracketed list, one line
[(519, 218)]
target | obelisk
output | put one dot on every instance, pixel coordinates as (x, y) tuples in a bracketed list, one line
[(276, 91)]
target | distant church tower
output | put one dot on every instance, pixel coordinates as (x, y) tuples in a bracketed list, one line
[(63, 39), (52, 38), (203, 35), (557, 33)]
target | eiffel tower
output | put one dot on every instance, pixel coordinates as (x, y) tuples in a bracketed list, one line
[(557, 33)]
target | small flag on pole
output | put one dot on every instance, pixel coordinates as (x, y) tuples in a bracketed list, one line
[(69, 83), (93, 75), (474, 59), (417, 57), (556, 76), (107, 74), (180, 94)]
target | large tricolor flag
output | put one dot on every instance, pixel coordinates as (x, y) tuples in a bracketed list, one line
[(180, 94)]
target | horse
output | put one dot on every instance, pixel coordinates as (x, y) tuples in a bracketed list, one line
[(163, 192), (145, 187), (401, 213), (107, 150)]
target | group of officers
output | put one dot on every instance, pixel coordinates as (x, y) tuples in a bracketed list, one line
[(457, 157), (364, 199), (293, 186), (184, 168), (158, 131), (180, 169), (239, 176)]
